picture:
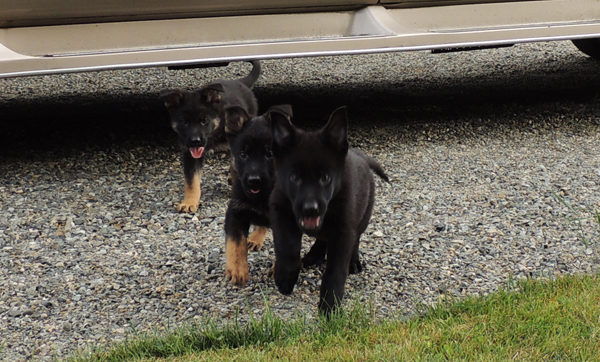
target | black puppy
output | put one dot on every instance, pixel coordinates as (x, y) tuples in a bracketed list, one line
[(250, 144), (324, 190), (198, 119)]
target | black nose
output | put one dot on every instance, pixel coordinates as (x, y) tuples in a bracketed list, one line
[(310, 207), (253, 180), (196, 140)]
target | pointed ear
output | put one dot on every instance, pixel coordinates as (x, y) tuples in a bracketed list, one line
[(335, 132), (172, 98), (235, 118), (284, 110), (212, 94), (284, 133)]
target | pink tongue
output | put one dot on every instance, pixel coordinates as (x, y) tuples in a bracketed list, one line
[(311, 222), (196, 151), (255, 191)]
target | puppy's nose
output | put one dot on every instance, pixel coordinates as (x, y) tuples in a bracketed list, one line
[(254, 180), (196, 139), (310, 207)]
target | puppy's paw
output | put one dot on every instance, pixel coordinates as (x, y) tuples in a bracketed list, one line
[(355, 267), (313, 259), (286, 288), (187, 207), (236, 267), (256, 240), (191, 196), (237, 274), (285, 285)]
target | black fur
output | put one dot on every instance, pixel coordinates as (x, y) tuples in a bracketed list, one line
[(325, 190), (250, 144), (198, 119)]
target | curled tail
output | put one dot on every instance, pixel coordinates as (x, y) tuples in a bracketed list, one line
[(376, 167), (251, 78)]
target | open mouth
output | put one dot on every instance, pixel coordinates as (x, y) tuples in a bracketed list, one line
[(310, 223), (196, 151), (255, 191)]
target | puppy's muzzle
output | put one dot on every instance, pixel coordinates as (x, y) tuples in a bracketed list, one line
[(254, 183), (311, 219), (310, 208), (196, 141)]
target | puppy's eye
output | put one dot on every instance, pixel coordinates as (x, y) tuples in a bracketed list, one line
[(294, 178), (325, 180), (243, 155), (269, 154), (185, 122), (204, 120)]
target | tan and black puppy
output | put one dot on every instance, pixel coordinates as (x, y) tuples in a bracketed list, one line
[(198, 119), (250, 144), (324, 190)]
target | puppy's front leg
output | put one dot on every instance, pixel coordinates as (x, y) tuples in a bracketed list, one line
[(288, 242), (339, 253), (257, 238), (192, 172), (236, 249)]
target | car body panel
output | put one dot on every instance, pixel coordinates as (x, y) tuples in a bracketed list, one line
[(375, 28), (19, 13)]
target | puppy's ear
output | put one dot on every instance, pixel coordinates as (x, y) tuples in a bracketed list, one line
[(284, 133), (335, 132), (235, 117), (282, 109), (172, 98), (212, 94)]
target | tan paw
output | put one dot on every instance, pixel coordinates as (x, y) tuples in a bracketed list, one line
[(256, 240), (191, 197), (187, 207), (237, 275)]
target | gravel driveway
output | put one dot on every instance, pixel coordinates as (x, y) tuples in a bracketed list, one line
[(494, 155)]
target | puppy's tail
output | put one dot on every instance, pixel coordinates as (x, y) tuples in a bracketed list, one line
[(251, 78), (376, 167)]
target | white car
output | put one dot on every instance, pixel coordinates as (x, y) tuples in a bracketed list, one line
[(58, 36)]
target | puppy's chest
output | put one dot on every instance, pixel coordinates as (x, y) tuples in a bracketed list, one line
[(258, 211)]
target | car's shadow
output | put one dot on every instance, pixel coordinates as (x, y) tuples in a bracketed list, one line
[(40, 126)]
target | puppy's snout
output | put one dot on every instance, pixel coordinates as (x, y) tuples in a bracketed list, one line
[(254, 180), (310, 207), (196, 140)]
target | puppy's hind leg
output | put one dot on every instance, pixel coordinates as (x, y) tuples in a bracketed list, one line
[(316, 254), (355, 265)]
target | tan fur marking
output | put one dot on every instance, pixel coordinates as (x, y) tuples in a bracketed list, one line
[(236, 267), (215, 123), (191, 198), (215, 99), (257, 238)]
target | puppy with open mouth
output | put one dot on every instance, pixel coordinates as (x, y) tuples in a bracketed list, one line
[(323, 189), (198, 119)]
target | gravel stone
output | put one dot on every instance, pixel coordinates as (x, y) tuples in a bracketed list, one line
[(493, 156)]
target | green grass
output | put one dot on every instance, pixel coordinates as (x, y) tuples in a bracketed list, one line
[(542, 321)]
